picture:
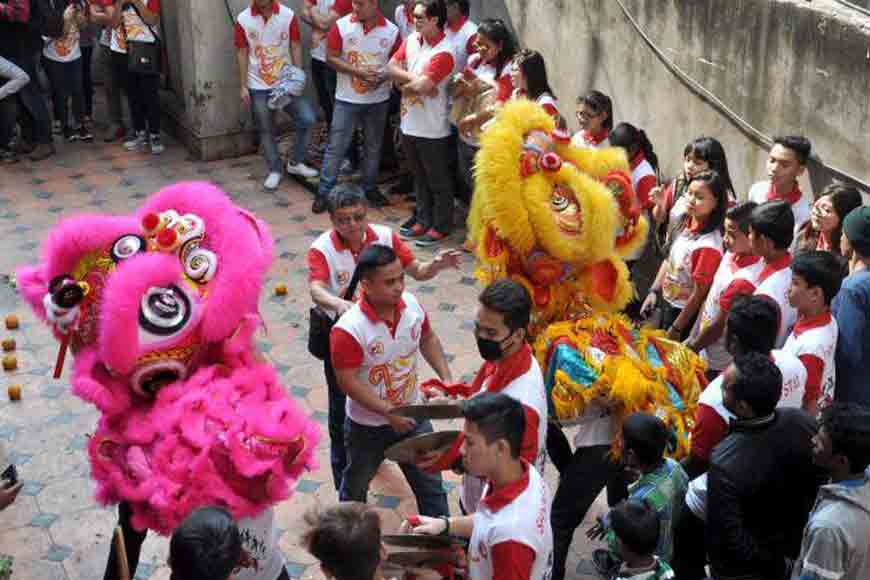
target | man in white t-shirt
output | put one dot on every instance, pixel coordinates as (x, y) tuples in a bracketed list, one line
[(374, 348), (322, 15), (509, 535), (422, 68), (404, 18), (786, 162), (461, 32)]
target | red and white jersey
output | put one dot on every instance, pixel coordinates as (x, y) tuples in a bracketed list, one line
[(774, 285), (324, 8), (801, 207), (363, 48), (404, 20), (332, 262), (502, 80), (814, 342), (512, 537), (794, 378), (462, 36), (385, 355), (63, 49), (585, 139), (694, 258), (422, 115), (643, 179), (132, 27), (268, 42), (715, 355), (261, 558)]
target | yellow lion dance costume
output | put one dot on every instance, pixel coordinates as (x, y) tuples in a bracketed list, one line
[(560, 220)]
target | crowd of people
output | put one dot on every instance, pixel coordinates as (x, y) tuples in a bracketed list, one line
[(770, 285)]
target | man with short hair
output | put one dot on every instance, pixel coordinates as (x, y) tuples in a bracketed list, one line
[(374, 348), (786, 162), (510, 537), (207, 544), (346, 539), (322, 15), (851, 309), (359, 46), (332, 259), (835, 543), (761, 482), (461, 32), (267, 38)]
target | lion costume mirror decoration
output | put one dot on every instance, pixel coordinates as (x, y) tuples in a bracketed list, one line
[(159, 309), (560, 220)]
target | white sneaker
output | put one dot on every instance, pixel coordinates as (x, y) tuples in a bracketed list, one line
[(138, 142), (302, 170), (272, 181)]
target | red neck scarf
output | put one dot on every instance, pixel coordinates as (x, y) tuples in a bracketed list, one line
[(503, 372)]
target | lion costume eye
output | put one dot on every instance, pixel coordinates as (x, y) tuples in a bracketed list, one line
[(560, 202), (164, 311), (199, 264), (126, 247)]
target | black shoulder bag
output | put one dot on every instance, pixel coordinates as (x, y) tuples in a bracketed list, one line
[(320, 324), (144, 58)]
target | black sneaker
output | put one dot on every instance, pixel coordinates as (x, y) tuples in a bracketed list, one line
[(319, 205), (84, 133), (377, 199), (409, 223)]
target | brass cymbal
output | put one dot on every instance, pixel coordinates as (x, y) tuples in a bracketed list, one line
[(410, 449), (433, 411)]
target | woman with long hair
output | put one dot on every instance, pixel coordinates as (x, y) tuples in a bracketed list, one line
[(529, 77), (825, 227)]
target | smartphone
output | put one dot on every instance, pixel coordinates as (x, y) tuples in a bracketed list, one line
[(10, 475)]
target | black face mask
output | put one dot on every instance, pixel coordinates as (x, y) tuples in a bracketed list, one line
[(491, 350)]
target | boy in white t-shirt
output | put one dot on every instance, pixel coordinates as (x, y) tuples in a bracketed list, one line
[(207, 544), (62, 60), (816, 278)]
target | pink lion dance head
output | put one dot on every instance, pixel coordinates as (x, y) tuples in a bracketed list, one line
[(159, 309)]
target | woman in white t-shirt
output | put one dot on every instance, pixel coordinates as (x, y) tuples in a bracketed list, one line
[(595, 117), (62, 61), (529, 78)]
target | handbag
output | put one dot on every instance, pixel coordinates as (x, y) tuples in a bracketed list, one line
[(320, 325), (144, 58)]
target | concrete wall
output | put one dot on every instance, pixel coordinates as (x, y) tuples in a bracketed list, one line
[(786, 66)]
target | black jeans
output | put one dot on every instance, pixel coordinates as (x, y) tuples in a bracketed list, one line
[(88, 79), (133, 541), (337, 399), (66, 84), (690, 550), (324, 78), (580, 483), (8, 113), (558, 446), (144, 97), (32, 101), (428, 162)]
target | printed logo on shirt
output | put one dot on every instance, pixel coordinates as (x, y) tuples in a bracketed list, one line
[(376, 349), (397, 380), (343, 277), (364, 60), (271, 61), (254, 34), (66, 44)]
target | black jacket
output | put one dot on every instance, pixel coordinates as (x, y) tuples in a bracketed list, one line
[(761, 488)]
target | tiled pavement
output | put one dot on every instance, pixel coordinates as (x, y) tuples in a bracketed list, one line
[(55, 530)]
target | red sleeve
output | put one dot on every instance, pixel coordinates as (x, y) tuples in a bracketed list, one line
[(345, 350), (815, 367), (439, 68), (153, 6), (342, 7), (512, 561), (505, 88), (738, 287), (295, 35), (403, 252), (400, 55), (552, 110), (644, 186), (318, 268), (241, 37), (710, 429), (426, 328), (333, 40), (471, 45), (397, 44), (705, 262), (529, 448)]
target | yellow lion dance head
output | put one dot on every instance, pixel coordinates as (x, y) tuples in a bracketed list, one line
[(554, 217)]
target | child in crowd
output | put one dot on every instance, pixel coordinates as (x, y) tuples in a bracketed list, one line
[(595, 117), (15, 79), (684, 279), (816, 278), (529, 77), (207, 545), (346, 538), (62, 60), (835, 539), (825, 226), (636, 530), (669, 203), (738, 256), (786, 162)]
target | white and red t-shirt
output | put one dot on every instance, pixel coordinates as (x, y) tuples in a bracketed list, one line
[(764, 191), (546, 100), (512, 538), (63, 49), (715, 355), (332, 261), (519, 377), (365, 47), (643, 179), (324, 7), (770, 280), (267, 38), (585, 139), (694, 259), (404, 19), (814, 341), (462, 35), (487, 73), (426, 116), (105, 32), (261, 557), (384, 353), (132, 27)]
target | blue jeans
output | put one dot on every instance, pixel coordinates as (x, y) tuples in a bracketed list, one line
[(303, 115), (365, 452), (345, 119)]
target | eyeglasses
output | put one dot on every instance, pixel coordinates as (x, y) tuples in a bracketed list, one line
[(347, 220)]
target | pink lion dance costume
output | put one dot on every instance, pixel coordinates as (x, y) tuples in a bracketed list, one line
[(159, 309)]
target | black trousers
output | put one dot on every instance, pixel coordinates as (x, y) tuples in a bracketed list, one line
[(143, 93), (133, 541), (428, 162), (337, 399), (88, 79), (589, 471), (690, 552)]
